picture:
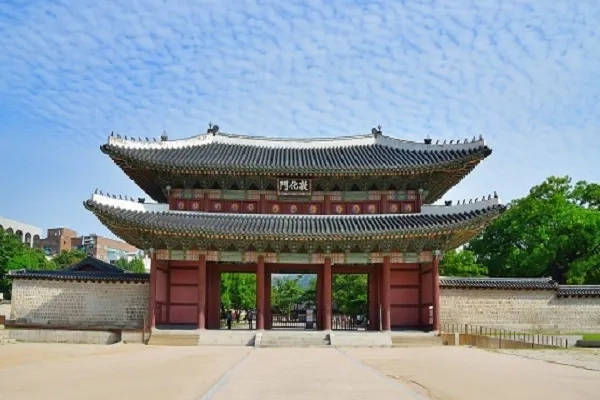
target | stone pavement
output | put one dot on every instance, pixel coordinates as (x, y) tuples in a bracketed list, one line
[(464, 373), (307, 373), (66, 371)]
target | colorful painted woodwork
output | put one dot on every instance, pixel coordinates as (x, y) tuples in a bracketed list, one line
[(240, 203)]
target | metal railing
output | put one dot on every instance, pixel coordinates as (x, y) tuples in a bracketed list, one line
[(534, 339), (292, 321), (341, 322)]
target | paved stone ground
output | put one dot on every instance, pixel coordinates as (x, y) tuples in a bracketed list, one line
[(307, 373), (42, 371), (587, 358), (464, 373), (79, 371)]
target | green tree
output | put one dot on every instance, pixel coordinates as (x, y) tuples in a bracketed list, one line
[(136, 264), (461, 263), (286, 293), (238, 291), (309, 293), (349, 293), (554, 231), (69, 257), (16, 255)]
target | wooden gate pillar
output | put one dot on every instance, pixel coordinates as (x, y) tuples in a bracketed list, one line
[(260, 292), (385, 277), (152, 297), (327, 294), (436, 291), (202, 292)]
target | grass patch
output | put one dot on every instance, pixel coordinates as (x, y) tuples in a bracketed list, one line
[(591, 336)]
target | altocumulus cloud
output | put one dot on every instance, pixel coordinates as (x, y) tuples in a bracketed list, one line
[(527, 76)]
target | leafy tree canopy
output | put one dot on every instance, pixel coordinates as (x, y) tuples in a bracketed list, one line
[(461, 263), (554, 231), (68, 257), (349, 293), (238, 291), (286, 293), (16, 255), (134, 265)]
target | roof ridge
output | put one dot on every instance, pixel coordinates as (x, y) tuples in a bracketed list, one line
[(291, 142)]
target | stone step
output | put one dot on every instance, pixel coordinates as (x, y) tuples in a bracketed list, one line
[(294, 339)]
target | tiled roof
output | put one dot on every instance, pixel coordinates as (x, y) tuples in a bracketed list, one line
[(224, 153), (92, 264), (89, 269), (354, 154), (78, 276), (497, 283), (115, 215), (578, 291)]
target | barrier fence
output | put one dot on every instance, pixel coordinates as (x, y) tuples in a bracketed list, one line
[(535, 339)]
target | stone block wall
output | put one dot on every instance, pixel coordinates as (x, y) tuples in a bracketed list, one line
[(79, 304), (521, 310)]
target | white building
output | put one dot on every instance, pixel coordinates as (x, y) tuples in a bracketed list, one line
[(26, 233)]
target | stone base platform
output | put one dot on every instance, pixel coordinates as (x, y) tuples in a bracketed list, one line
[(361, 339), (269, 338), (62, 336)]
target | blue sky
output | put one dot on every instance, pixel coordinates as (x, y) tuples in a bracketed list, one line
[(525, 75)]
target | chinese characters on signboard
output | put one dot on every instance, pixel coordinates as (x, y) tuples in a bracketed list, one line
[(294, 186)]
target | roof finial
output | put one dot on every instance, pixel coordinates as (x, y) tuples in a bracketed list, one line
[(495, 195), (214, 129), (112, 133), (428, 139), (376, 131), (164, 137)]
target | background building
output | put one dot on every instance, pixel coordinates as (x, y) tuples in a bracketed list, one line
[(105, 249), (57, 240), (26, 233), (102, 248)]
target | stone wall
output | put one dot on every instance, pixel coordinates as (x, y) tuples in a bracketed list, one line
[(79, 304), (520, 310), (5, 308)]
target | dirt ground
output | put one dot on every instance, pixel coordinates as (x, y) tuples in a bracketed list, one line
[(464, 373), (43, 371)]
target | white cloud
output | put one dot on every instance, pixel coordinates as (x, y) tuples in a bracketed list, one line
[(526, 76)]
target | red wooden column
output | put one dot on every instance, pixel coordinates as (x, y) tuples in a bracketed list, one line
[(260, 292), (152, 297), (267, 314), (327, 294), (435, 277), (385, 298), (373, 301), (202, 292)]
